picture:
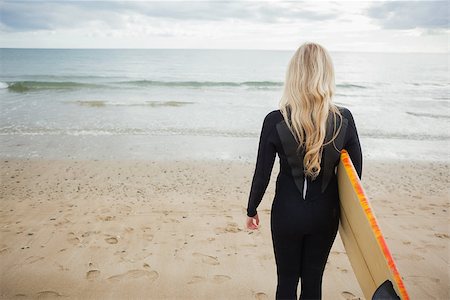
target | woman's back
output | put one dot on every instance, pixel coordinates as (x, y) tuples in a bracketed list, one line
[(287, 188)]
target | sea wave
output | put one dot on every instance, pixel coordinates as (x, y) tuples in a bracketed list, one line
[(428, 115), (25, 86), (403, 136), (199, 84), (33, 85), (38, 131), (351, 86), (102, 103), (432, 84)]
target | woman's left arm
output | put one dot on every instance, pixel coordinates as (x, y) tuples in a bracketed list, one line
[(353, 145)]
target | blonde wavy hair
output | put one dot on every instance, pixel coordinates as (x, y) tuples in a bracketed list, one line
[(307, 101)]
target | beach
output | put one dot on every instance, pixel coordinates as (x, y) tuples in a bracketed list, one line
[(174, 229), (125, 173)]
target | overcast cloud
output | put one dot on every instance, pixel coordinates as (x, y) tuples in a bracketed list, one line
[(36, 15), (411, 14), (349, 25)]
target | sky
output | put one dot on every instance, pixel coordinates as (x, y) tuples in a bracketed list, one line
[(366, 26)]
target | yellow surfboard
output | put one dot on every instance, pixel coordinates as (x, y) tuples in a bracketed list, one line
[(365, 245)]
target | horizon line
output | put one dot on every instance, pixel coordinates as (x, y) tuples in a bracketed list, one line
[(230, 49)]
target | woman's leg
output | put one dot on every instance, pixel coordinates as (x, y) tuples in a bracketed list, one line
[(287, 249), (316, 248)]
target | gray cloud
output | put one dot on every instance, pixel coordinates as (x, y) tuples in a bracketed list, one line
[(14, 15), (411, 14), (50, 15), (40, 15)]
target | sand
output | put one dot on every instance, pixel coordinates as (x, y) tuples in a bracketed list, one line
[(175, 230)]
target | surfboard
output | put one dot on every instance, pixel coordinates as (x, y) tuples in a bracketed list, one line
[(364, 243)]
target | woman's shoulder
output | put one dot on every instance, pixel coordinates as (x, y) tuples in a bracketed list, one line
[(345, 112), (274, 115), (272, 119)]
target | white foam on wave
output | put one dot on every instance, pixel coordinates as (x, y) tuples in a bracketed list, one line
[(3, 85)]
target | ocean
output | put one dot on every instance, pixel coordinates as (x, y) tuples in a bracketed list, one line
[(206, 104)]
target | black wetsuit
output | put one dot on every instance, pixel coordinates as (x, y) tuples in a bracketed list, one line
[(303, 229)]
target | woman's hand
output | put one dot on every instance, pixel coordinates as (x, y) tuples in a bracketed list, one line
[(253, 222)]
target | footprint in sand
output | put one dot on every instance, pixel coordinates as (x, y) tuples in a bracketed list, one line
[(121, 253), (62, 267), (261, 296), (106, 218), (48, 295), (89, 233), (220, 278), (148, 237), (207, 259), (231, 227), (73, 239), (348, 296), (111, 240), (62, 222), (129, 230), (4, 250), (146, 265), (215, 279), (33, 259), (133, 274), (91, 274), (196, 279), (442, 235), (126, 209)]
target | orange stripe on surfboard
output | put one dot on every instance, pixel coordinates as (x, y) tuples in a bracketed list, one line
[(356, 183)]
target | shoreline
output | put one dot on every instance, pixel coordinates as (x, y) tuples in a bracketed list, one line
[(166, 147), (175, 229)]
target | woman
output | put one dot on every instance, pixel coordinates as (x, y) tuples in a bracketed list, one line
[(307, 132)]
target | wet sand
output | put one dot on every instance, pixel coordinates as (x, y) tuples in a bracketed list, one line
[(175, 230)]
